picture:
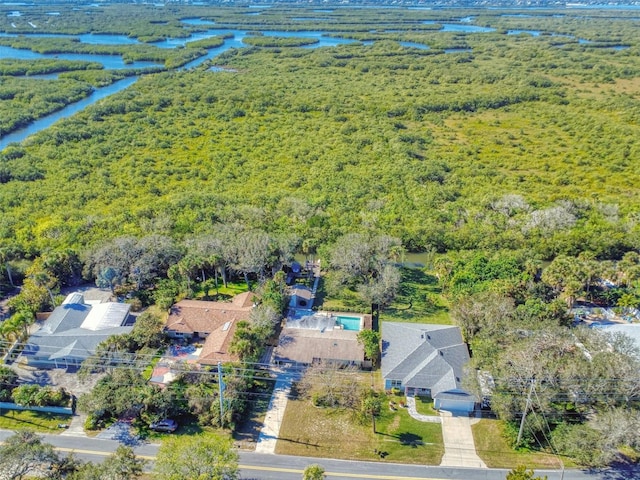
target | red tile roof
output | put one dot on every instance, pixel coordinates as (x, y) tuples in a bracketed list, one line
[(215, 320), (190, 316)]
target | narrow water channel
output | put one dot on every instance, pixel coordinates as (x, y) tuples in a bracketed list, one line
[(69, 110), (115, 61)]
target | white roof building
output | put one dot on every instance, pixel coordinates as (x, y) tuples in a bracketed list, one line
[(74, 330)]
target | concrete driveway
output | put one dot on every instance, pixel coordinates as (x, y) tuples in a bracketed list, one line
[(459, 447)]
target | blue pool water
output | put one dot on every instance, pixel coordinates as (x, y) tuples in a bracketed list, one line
[(349, 323)]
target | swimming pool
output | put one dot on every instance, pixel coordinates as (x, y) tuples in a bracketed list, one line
[(349, 323)]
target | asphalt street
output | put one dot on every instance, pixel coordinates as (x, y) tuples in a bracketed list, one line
[(256, 466)]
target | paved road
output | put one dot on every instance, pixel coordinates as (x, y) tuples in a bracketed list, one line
[(255, 466)]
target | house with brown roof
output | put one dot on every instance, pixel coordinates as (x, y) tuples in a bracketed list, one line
[(307, 346), (214, 322), (312, 337)]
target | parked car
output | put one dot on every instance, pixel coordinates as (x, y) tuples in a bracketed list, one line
[(165, 425)]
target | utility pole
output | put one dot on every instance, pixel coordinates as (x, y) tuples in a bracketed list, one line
[(373, 415), (524, 414), (221, 388)]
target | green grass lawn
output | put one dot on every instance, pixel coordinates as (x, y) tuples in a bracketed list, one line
[(332, 433), (496, 452), (207, 290), (37, 421), (186, 427), (424, 405), (419, 300)]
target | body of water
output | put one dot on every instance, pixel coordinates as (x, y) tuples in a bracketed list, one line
[(43, 76), (581, 41), (104, 39), (534, 33), (236, 41), (311, 19), (110, 62), (197, 21), (457, 50), (464, 27), (421, 46), (116, 62), (67, 111), (322, 40)]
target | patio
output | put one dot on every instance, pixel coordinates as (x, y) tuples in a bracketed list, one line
[(175, 354)]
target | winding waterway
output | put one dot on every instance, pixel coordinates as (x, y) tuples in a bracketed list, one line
[(69, 110), (116, 62), (235, 40)]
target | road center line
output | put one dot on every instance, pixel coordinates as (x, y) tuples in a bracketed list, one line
[(257, 467)]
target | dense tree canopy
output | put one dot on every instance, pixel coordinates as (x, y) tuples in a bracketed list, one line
[(510, 158), (202, 457), (25, 454), (444, 151)]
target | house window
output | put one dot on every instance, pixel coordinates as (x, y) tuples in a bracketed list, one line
[(396, 383)]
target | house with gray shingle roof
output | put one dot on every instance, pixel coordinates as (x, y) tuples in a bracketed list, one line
[(426, 360), (74, 330)]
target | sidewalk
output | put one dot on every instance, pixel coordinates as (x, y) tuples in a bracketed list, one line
[(411, 407), (273, 419), (76, 426)]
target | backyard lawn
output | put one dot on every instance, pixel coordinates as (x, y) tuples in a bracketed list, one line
[(207, 290), (318, 432), (419, 300), (37, 421)]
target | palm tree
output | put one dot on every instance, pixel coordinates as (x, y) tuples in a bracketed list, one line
[(566, 276), (6, 253), (629, 268), (313, 472), (10, 330), (42, 279)]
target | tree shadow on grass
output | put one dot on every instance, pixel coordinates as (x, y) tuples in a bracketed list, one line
[(405, 438), (298, 442), (40, 420), (410, 439), (249, 430)]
